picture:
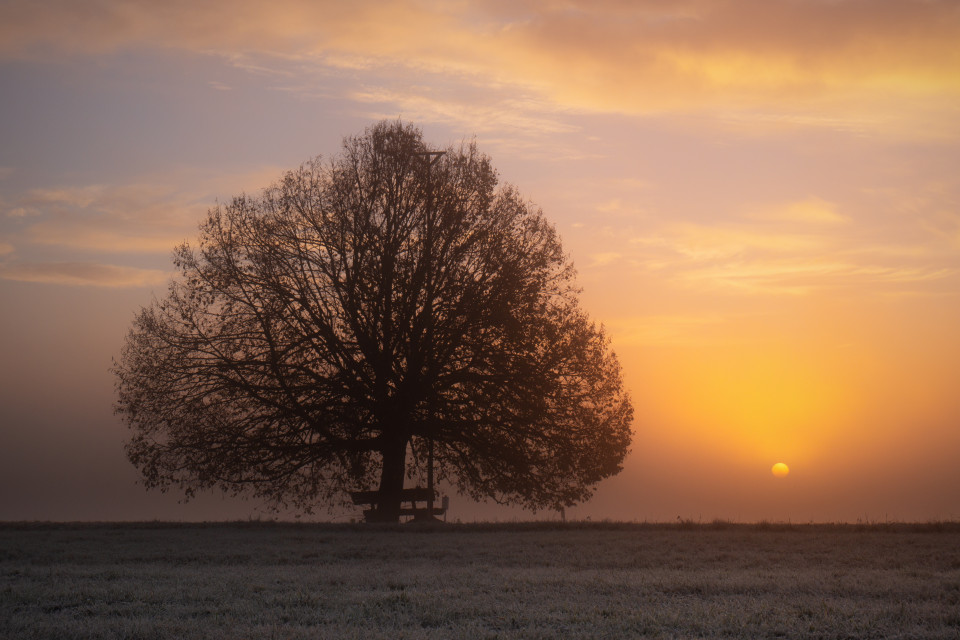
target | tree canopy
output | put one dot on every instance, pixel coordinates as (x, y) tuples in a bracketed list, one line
[(321, 334)]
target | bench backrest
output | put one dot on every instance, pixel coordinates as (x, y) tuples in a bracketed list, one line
[(414, 494)]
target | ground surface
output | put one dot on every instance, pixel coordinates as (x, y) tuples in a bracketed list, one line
[(494, 581)]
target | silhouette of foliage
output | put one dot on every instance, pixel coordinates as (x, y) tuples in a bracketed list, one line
[(320, 334)]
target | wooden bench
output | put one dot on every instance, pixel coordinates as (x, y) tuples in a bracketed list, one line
[(412, 496)]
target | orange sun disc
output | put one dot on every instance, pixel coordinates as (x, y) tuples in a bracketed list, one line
[(780, 470)]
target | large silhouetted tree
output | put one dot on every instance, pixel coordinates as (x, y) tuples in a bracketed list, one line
[(320, 335)]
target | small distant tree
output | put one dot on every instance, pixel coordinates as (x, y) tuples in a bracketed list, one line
[(321, 335)]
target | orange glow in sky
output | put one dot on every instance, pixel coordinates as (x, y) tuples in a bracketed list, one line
[(761, 199)]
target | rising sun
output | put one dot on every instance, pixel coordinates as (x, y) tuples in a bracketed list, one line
[(780, 470)]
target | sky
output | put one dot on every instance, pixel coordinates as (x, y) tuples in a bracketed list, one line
[(761, 198)]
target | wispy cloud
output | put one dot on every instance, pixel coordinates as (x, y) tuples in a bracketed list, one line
[(815, 211), (83, 274), (699, 242), (603, 259), (149, 216), (665, 330), (508, 114), (888, 66), (94, 229), (105, 218), (794, 249), (807, 275)]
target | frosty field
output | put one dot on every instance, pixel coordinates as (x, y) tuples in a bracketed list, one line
[(599, 580)]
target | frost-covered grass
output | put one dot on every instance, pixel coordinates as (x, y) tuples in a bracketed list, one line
[(479, 581)]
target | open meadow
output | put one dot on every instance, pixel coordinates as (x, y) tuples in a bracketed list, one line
[(603, 580)]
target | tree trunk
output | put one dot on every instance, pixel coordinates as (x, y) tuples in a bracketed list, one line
[(391, 480)]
